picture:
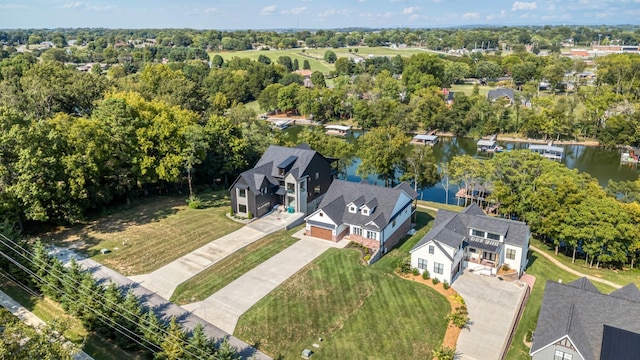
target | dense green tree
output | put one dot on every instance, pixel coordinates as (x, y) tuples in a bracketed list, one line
[(317, 79), (381, 150), (420, 168), (330, 56)]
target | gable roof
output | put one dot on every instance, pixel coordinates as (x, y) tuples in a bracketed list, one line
[(578, 310), (382, 198), (500, 93), (294, 161), (452, 228), (629, 292)]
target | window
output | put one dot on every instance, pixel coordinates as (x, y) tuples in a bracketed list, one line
[(371, 235), (357, 231), (431, 249), (242, 209), (317, 176), (489, 256), (479, 233), (511, 254), (472, 250), (493, 236), (291, 188), (561, 355), (242, 193), (280, 171), (316, 190), (393, 223), (264, 190), (352, 209), (438, 268), (303, 186), (365, 211), (422, 264)]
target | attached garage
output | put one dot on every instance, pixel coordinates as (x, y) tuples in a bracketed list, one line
[(321, 233)]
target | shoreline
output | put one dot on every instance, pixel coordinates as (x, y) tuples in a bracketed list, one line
[(590, 142)]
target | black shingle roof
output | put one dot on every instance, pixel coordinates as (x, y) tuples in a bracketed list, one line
[(577, 311), (346, 192)]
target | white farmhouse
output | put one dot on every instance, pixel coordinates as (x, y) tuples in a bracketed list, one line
[(471, 239)]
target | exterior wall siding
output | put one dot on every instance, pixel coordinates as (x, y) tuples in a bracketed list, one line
[(401, 229), (549, 352), (436, 257), (321, 166)]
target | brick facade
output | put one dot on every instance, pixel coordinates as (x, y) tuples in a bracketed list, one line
[(398, 235), (370, 243)]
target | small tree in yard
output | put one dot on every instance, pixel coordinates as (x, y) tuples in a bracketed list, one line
[(330, 57)]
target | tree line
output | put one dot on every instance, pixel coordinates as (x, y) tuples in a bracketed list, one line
[(562, 206), (111, 312)]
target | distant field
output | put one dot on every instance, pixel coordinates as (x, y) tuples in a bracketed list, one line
[(315, 56), (468, 89)]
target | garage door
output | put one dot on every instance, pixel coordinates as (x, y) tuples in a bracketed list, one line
[(320, 233)]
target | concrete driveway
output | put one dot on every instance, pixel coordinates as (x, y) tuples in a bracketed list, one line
[(224, 308), (165, 280), (492, 306)]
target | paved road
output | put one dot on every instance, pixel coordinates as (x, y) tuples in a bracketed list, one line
[(575, 272), (225, 307), (30, 318), (492, 306), (165, 280), (163, 308)]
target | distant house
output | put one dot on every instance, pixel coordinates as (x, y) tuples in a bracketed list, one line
[(306, 77), (294, 177), (374, 216), (471, 239), (501, 93), (578, 322)]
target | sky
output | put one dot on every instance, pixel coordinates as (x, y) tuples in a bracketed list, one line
[(311, 14)]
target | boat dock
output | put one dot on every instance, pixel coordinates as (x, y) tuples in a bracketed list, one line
[(488, 145), (549, 151), (629, 157), (338, 130), (425, 139)]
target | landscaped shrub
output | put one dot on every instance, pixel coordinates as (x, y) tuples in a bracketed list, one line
[(505, 268), (460, 317), (249, 215), (405, 266), (444, 353), (529, 336), (435, 281), (425, 275), (195, 203), (231, 212), (415, 272), (445, 285)]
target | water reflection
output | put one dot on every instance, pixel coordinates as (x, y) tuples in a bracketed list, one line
[(601, 163)]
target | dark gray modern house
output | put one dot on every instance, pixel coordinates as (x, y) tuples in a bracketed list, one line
[(295, 177), (578, 322)]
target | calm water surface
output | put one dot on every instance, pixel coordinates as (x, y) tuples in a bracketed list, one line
[(602, 164)]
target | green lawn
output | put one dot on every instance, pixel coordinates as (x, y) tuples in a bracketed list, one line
[(232, 267), (349, 305), (316, 56), (48, 310), (468, 89), (438, 205), (543, 270), (255, 106), (618, 276), (154, 233)]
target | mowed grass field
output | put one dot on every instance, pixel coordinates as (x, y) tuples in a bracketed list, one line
[(153, 233), (543, 270), (360, 311), (316, 56), (224, 272)]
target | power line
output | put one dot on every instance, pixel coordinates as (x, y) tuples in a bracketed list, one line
[(91, 292), (106, 322)]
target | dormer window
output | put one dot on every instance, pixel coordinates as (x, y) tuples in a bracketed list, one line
[(352, 209), (365, 211)]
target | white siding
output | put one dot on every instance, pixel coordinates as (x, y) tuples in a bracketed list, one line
[(403, 199), (320, 217), (437, 257), (390, 229)]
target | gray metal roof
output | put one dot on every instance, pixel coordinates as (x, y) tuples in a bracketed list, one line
[(425, 137), (346, 192), (580, 311), (482, 223)]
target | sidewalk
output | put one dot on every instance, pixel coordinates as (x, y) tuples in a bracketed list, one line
[(575, 272), (30, 319)]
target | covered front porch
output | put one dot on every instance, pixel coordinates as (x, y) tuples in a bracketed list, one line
[(483, 255)]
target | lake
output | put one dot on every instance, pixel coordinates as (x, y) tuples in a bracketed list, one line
[(602, 164)]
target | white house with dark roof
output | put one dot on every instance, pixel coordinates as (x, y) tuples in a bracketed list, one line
[(578, 322), (296, 177), (374, 216), (471, 239)]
